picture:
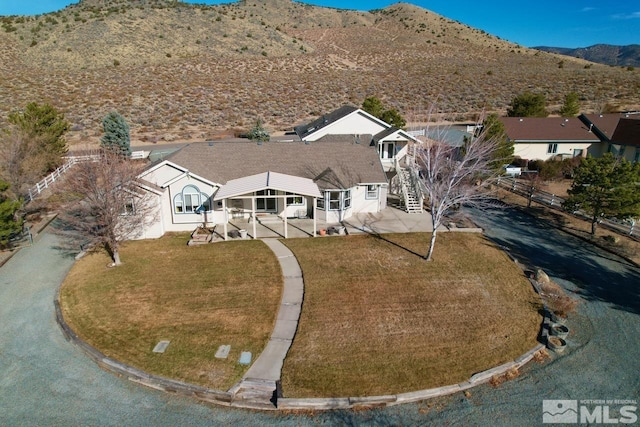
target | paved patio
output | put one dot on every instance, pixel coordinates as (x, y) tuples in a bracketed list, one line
[(390, 220)]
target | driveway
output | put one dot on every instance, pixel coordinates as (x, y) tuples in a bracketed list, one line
[(46, 381)]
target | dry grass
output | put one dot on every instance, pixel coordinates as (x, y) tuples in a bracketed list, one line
[(378, 319), (197, 297)]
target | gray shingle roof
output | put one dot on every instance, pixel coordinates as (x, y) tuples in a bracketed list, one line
[(306, 129), (331, 163)]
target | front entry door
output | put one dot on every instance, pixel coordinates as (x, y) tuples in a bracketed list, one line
[(266, 204)]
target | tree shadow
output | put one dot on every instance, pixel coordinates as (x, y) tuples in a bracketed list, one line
[(597, 274)]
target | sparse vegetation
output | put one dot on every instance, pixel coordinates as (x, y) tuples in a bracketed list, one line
[(322, 50)]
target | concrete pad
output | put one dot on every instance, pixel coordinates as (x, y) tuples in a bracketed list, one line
[(223, 352), (245, 358), (161, 347)]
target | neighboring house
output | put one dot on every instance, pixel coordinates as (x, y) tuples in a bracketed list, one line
[(619, 133), (542, 138), (390, 142), (329, 179)]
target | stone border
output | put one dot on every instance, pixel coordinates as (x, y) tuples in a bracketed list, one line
[(225, 398)]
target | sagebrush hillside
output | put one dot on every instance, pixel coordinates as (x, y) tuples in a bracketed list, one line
[(177, 71)]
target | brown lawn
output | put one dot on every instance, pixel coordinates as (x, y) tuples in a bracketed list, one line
[(378, 319), (197, 297)]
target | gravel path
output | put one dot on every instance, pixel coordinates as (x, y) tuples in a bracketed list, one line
[(46, 381)]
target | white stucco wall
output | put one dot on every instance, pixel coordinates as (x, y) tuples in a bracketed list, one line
[(538, 151), (354, 124)]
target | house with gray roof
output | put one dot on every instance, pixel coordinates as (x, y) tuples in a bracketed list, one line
[(390, 142), (329, 179)]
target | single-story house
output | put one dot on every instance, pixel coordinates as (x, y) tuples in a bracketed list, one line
[(390, 142), (542, 138), (619, 133), (328, 179)]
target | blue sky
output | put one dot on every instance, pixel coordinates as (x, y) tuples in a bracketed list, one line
[(561, 23)]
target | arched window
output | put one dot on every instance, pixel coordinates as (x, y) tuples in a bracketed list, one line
[(191, 200)]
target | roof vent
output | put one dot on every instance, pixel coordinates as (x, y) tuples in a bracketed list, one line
[(566, 120), (259, 142), (522, 120), (210, 143), (307, 143)]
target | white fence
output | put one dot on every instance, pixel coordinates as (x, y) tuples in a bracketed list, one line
[(549, 199), (55, 175)]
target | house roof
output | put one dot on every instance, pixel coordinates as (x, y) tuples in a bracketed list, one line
[(326, 119), (332, 163), (547, 129), (603, 125), (627, 132), (273, 180)]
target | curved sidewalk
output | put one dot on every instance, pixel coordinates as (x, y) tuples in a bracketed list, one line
[(259, 386)]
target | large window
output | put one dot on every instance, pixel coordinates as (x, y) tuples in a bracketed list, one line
[(294, 200), (191, 200), (552, 148), (338, 200), (372, 192)]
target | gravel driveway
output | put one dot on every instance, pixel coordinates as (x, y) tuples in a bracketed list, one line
[(46, 381)]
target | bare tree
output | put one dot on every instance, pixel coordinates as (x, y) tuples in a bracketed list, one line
[(20, 164), (452, 177), (108, 204)]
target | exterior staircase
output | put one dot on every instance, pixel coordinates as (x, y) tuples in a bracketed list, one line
[(412, 196)]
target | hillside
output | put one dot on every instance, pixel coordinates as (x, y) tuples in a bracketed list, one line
[(627, 56), (183, 72)]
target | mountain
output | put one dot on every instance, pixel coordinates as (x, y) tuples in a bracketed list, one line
[(179, 71), (626, 56)]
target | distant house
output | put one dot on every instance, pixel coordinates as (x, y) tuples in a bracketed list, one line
[(542, 138), (538, 138), (389, 141), (619, 133)]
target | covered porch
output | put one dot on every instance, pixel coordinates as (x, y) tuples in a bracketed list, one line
[(270, 199)]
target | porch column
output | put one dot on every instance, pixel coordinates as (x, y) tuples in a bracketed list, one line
[(284, 200), (226, 217), (253, 216), (314, 215)]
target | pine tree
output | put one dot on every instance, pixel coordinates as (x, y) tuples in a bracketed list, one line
[(528, 105), (571, 106), (605, 187), (44, 126), (116, 133), (10, 224)]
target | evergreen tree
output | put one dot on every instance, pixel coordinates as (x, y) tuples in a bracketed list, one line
[(116, 133), (528, 105), (605, 187), (45, 127), (494, 129), (373, 106), (10, 224), (394, 118), (571, 106), (258, 133)]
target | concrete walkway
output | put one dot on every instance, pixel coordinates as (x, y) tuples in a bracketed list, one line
[(260, 384)]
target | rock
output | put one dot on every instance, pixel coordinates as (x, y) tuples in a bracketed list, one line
[(541, 276)]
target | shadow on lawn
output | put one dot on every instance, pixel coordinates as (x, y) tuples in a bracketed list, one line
[(369, 227), (598, 275)]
